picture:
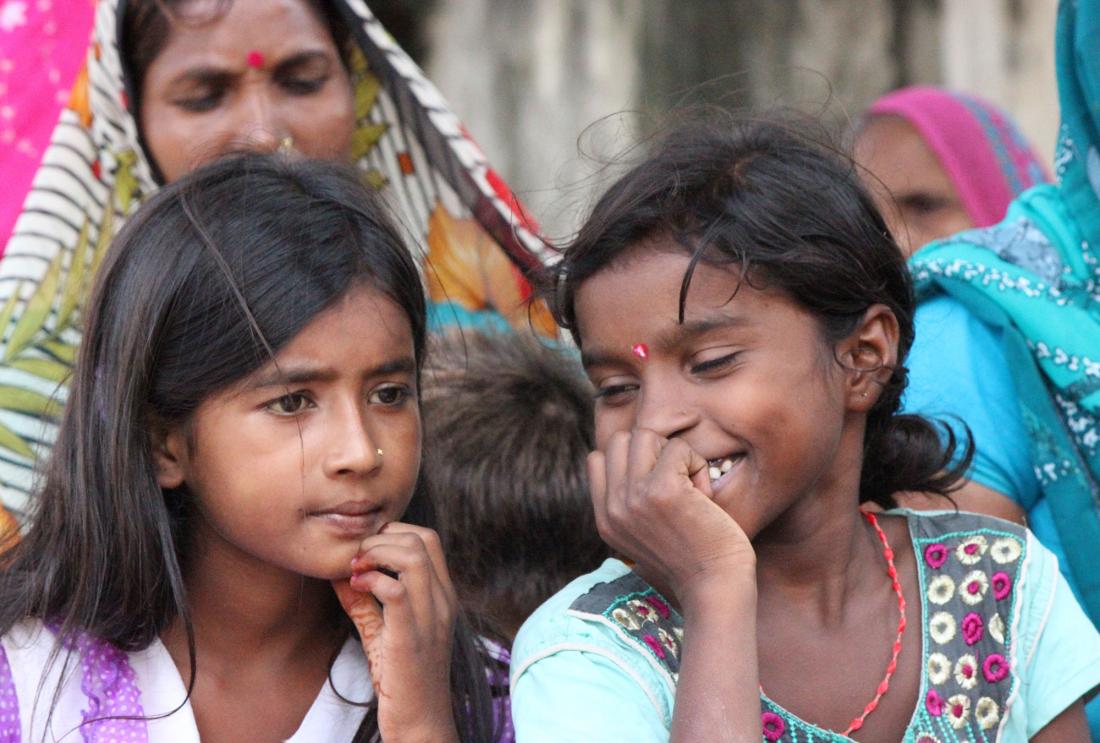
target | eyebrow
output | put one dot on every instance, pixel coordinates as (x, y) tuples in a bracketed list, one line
[(212, 74), (674, 336), (290, 374)]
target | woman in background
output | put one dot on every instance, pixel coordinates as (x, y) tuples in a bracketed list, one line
[(939, 162)]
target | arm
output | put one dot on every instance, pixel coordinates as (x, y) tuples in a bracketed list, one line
[(1068, 727), (653, 502), (719, 687)]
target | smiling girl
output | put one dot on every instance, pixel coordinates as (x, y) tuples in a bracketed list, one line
[(243, 433), (745, 316)]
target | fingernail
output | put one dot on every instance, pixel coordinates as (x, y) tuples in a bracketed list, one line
[(357, 580)]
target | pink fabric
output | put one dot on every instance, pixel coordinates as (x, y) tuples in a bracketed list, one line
[(42, 46), (983, 152)]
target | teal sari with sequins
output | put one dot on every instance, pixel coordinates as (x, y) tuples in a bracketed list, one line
[(1036, 277)]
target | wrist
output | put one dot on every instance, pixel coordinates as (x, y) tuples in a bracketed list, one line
[(720, 592)]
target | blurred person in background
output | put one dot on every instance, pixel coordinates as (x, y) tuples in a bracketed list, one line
[(189, 81), (508, 424), (1008, 337), (939, 162)]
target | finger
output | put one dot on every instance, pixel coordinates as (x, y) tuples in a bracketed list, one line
[(596, 464), (616, 457), (434, 547), (406, 556), (685, 462), (645, 449)]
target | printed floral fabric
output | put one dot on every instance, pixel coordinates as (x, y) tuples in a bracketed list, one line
[(1036, 278), (95, 173), (968, 577)]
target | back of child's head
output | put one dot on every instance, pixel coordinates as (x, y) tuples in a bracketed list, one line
[(203, 286), (508, 423), (774, 200)]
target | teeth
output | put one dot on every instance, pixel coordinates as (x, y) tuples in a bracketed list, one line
[(715, 473), (718, 468), (727, 465)]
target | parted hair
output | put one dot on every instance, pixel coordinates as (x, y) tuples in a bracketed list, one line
[(508, 423), (203, 286), (773, 197)]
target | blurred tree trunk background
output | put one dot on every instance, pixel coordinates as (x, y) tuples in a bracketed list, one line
[(553, 88)]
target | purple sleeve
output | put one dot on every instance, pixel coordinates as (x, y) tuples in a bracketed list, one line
[(9, 703)]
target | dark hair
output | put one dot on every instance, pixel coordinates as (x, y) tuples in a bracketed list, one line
[(507, 427), (789, 210), (211, 277)]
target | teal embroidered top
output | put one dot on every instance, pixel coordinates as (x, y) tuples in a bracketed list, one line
[(1006, 648)]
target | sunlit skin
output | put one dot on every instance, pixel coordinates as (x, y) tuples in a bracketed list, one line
[(777, 543), (291, 492), (262, 73), (909, 185), (750, 378)]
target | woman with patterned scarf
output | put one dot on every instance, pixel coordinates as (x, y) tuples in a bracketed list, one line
[(1008, 335), (322, 79)]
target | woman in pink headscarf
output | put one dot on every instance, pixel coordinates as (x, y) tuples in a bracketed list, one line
[(940, 162)]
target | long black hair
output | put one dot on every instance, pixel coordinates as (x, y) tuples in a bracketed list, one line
[(771, 195), (208, 280)]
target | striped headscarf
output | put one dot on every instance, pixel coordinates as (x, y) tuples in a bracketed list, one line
[(476, 243)]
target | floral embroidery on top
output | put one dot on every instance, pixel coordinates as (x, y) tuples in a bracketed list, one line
[(967, 682), (972, 550), (941, 589)]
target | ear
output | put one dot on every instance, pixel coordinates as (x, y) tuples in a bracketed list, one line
[(169, 456), (869, 355)]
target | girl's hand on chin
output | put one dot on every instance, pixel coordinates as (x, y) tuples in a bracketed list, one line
[(401, 599), (654, 504)]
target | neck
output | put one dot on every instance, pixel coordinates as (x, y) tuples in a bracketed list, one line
[(821, 552), (246, 612)]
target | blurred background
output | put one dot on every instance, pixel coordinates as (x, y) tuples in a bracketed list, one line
[(528, 77)]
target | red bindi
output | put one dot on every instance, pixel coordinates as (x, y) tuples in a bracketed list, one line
[(255, 59), (640, 350)]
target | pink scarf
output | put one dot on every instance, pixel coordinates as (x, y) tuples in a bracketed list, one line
[(984, 154), (42, 45)]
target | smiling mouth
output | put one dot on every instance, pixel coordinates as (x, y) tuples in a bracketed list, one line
[(721, 470)]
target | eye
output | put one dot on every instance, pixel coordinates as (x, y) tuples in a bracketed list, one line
[(616, 394), (713, 365), (923, 204), (204, 100), (390, 395), (290, 404), (304, 85)]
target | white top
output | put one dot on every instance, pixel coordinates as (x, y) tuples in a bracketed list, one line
[(29, 645)]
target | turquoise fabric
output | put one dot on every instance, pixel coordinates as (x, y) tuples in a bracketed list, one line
[(1034, 280), (578, 680)]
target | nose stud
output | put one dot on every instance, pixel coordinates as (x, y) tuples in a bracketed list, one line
[(379, 453), (286, 144)]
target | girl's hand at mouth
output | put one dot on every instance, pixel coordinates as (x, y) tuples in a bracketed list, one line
[(401, 599), (653, 502)]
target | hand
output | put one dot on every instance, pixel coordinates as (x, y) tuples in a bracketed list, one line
[(654, 504), (406, 623)]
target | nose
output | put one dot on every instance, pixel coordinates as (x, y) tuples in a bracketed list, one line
[(350, 449), (666, 411), (260, 128)]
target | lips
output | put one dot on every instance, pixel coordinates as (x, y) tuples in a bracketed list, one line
[(354, 518)]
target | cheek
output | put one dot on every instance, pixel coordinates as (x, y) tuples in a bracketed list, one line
[(609, 421), (324, 130)]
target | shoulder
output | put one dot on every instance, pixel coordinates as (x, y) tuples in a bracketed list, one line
[(606, 647)]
